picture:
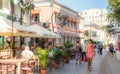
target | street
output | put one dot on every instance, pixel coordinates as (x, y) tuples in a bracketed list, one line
[(102, 64)]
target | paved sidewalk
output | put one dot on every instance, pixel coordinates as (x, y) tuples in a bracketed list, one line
[(71, 68), (114, 65), (100, 66)]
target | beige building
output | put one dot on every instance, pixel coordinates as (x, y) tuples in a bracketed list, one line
[(97, 16), (94, 19), (49, 14), (58, 18)]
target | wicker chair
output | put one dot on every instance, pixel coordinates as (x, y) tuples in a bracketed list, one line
[(7, 68), (28, 67)]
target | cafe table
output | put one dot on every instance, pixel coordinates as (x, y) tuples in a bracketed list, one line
[(14, 60)]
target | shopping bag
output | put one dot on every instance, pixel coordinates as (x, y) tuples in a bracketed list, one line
[(85, 59)]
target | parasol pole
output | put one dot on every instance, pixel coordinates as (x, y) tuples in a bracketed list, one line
[(11, 40)]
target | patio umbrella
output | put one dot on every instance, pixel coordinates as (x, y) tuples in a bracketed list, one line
[(42, 32), (18, 30)]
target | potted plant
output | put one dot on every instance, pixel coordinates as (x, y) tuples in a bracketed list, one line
[(43, 57), (57, 56), (67, 46), (13, 46)]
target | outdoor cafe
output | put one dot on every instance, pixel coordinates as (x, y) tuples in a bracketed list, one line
[(12, 33)]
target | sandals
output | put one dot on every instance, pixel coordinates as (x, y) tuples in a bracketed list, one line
[(89, 68)]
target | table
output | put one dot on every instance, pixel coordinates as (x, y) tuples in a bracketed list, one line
[(17, 61)]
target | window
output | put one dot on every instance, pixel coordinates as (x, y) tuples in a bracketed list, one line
[(35, 18), (96, 12), (85, 13), (86, 33), (94, 33)]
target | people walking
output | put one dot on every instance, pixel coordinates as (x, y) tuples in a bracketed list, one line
[(78, 52), (90, 53), (111, 49), (101, 48), (83, 50)]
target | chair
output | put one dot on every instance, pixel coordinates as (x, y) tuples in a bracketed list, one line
[(7, 68), (28, 67), (6, 57)]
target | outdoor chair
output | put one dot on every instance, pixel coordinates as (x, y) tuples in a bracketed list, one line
[(6, 57), (28, 67), (6, 68)]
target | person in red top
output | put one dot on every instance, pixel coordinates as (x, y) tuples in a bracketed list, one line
[(90, 53)]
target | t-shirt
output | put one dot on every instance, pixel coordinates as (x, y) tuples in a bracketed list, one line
[(27, 54), (78, 49), (55, 50), (84, 47)]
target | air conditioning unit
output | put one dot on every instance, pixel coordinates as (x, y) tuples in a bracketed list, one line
[(45, 24)]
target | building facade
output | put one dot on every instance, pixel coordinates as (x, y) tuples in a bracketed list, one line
[(58, 18), (94, 20)]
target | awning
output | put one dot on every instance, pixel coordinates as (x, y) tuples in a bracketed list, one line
[(42, 32), (18, 30), (35, 11)]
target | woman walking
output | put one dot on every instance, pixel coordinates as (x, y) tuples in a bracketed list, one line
[(78, 53), (90, 53)]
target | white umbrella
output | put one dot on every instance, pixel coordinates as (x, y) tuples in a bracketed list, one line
[(42, 32), (18, 30)]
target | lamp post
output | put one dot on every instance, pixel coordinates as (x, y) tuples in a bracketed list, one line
[(11, 40)]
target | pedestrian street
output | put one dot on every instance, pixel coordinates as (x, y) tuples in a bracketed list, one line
[(72, 68)]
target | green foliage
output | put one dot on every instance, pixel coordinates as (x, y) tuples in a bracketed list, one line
[(57, 56), (43, 57), (0, 45), (109, 29), (114, 11), (67, 53), (26, 7), (68, 45), (13, 44), (42, 42)]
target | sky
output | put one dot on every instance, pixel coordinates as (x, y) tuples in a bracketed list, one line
[(79, 5)]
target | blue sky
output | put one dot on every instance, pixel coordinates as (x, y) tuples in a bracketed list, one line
[(80, 5)]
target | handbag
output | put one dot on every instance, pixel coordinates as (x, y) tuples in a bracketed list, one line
[(85, 59)]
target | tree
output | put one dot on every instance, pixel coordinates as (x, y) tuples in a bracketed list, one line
[(114, 11), (109, 29)]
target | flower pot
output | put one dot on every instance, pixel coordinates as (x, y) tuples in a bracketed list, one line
[(57, 66), (43, 71), (67, 60)]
